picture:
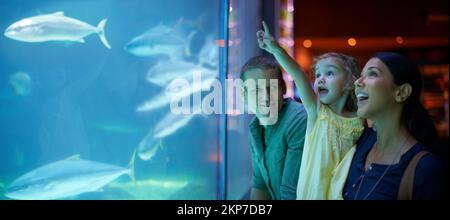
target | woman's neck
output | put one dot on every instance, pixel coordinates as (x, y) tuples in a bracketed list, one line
[(391, 132)]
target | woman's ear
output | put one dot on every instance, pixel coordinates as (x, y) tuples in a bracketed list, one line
[(403, 92)]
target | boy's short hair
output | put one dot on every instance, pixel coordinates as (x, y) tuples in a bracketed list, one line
[(262, 62)]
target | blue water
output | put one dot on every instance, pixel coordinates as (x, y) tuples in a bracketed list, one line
[(81, 98)]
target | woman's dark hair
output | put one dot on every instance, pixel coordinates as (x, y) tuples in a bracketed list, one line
[(414, 115)]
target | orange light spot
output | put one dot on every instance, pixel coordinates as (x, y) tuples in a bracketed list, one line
[(399, 39), (351, 41), (307, 43), (220, 43), (214, 157)]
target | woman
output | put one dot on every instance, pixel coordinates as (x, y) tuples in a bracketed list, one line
[(388, 94)]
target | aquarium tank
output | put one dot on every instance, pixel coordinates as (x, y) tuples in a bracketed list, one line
[(86, 99)]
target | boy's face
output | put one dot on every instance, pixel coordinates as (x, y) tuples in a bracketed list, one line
[(263, 92)]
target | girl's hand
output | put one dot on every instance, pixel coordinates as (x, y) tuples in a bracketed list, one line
[(265, 40)]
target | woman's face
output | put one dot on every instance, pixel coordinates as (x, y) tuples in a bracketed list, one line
[(375, 89)]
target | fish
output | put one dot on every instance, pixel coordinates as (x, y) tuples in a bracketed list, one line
[(159, 100), (160, 40), (54, 27), (170, 124), (166, 71), (164, 97), (195, 30), (148, 147), (173, 122), (209, 53), (66, 178), (21, 82)]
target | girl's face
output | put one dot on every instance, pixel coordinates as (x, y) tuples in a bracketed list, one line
[(331, 81), (375, 89)]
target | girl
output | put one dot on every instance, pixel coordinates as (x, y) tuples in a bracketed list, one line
[(332, 125)]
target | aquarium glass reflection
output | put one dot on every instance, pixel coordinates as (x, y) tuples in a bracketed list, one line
[(84, 103)]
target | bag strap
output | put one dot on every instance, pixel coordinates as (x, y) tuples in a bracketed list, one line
[(405, 191)]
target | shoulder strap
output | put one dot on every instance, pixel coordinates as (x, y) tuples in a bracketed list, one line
[(405, 191)]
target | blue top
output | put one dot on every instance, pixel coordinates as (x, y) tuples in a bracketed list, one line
[(429, 179)]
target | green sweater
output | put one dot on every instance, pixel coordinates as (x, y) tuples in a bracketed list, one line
[(277, 151)]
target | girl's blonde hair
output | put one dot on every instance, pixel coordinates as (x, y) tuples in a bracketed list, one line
[(351, 67)]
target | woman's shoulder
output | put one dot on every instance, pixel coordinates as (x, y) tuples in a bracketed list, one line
[(366, 140), (429, 163), (367, 134), (431, 177)]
